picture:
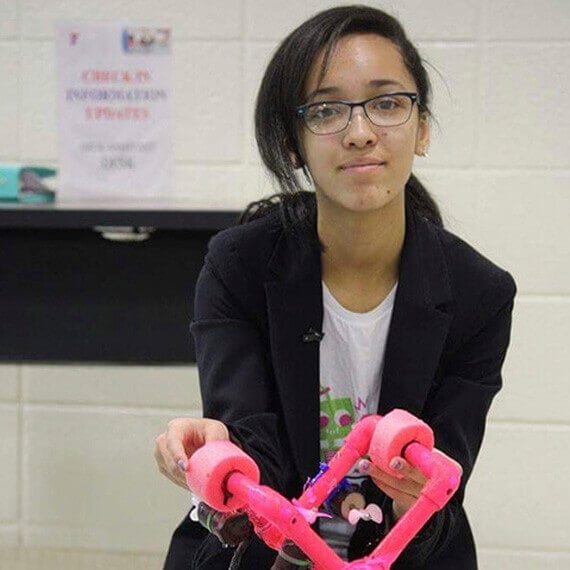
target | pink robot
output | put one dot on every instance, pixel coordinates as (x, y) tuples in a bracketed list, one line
[(227, 480)]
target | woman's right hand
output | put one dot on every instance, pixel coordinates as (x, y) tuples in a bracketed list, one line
[(181, 439)]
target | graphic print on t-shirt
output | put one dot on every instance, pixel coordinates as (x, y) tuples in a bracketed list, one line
[(337, 419), (338, 415)]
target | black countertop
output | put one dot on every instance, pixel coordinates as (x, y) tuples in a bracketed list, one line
[(157, 214)]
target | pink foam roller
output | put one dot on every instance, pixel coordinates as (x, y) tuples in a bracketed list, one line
[(209, 467), (393, 432)]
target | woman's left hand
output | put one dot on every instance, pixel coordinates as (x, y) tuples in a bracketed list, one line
[(403, 488)]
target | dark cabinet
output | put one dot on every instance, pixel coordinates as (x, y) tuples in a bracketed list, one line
[(67, 293)]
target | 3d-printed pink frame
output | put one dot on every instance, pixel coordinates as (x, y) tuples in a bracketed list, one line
[(227, 479)]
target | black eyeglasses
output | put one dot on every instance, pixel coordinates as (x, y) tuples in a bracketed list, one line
[(330, 117)]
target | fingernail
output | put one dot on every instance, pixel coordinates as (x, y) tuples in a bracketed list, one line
[(364, 465), (396, 464), (182, 465)]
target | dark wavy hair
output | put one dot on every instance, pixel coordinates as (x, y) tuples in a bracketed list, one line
[(282, 91)]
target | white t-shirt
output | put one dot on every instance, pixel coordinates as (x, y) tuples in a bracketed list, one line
[(351, 363)]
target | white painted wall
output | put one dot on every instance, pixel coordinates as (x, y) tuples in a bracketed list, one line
[(78, 488)]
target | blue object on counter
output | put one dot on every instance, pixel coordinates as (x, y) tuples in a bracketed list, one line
[(25, 183)]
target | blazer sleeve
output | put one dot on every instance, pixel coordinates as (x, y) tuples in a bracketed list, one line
[(232, 351), (456, 410)]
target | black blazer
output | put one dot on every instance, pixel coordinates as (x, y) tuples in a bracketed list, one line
[(260, 291)]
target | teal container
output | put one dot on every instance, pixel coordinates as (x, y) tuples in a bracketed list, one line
[(20, 183)]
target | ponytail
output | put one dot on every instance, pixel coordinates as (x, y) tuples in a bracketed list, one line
[(421, 201)]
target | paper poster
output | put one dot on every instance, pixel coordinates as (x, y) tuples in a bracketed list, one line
[(114, 110)]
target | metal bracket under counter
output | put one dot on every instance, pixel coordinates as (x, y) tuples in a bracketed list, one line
[(131, 234)]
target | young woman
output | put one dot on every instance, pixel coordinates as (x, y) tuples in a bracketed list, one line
[(351, 297)]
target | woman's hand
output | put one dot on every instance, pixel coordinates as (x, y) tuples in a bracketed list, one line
[(180, 440), (403, 488)]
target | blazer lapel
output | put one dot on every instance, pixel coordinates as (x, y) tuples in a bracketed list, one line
[(420, 321), (294, 304)]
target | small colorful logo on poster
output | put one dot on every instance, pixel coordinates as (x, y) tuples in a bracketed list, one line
[(153, 41)]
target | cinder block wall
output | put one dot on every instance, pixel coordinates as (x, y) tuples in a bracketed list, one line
[(78, 488)]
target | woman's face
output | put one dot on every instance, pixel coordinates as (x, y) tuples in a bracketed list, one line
[(364, 167)]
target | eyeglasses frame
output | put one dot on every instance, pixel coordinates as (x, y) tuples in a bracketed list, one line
[(301, 111)]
